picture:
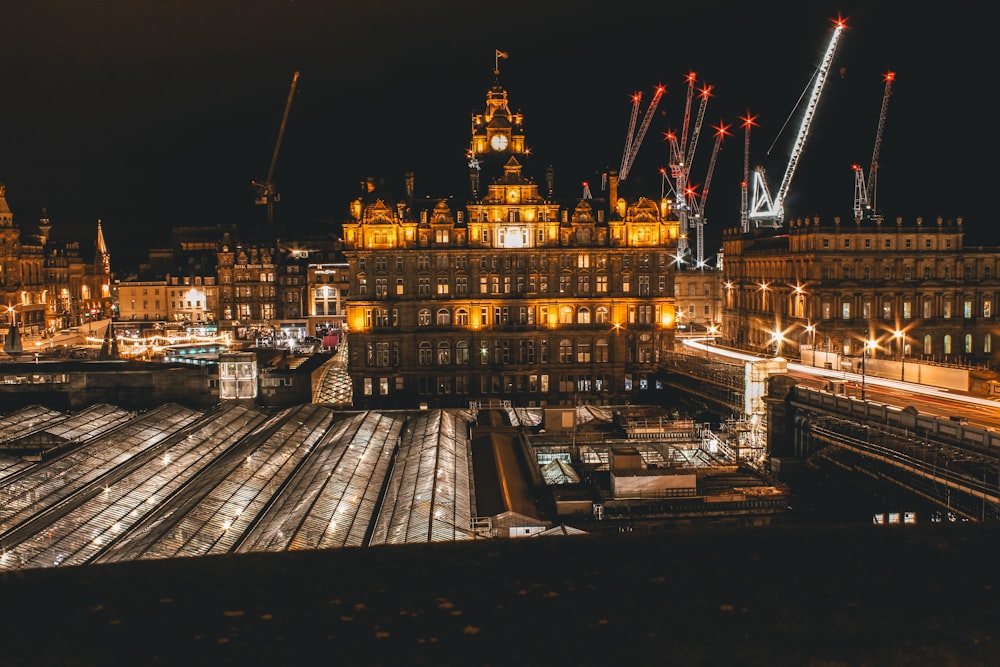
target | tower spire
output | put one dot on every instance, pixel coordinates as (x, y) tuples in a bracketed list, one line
[(102, 255)]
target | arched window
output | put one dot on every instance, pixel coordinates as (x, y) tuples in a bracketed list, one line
[(424, 317), (444, 353), (601, 315), (566, 315), (462, 317), (583, 315), (927, 344), (583, 352), (424, 354), (462, 352), (444, 316), (947, 343)]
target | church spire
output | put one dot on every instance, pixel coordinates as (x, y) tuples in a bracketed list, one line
[(102, 255)]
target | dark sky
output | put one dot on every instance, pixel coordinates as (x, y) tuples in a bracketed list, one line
[(154, 114)]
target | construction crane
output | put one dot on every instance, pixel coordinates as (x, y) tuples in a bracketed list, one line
[(864, 193), (748, 122), (682, 157), (266, 194), (698, 203), (764, 210), (634, 138)]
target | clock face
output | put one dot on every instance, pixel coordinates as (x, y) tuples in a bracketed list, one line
[(499, 142)]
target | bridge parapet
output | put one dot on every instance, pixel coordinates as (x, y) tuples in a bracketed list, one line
[(906, 420)]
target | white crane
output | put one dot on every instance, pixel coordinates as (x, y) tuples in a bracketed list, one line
[(864, 193), (682, 157), (768, 212), (748, 122), (698, 203)]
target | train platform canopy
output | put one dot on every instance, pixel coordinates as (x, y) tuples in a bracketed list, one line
[(176, 482)]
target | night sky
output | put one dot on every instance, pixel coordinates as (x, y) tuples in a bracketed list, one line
[(153, 114)]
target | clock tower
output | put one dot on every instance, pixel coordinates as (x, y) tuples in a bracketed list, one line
[(497, 131)]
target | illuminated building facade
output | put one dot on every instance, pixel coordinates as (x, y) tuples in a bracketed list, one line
[(247, 288), (329, 284), (910, 288), (45, 285), (142, 301), (698, 294), (512, 296), (192, 299)]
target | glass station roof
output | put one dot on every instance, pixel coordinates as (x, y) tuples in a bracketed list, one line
[(428, 497), (176, 482)]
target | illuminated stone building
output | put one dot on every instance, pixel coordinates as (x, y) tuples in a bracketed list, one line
[(142, 301), (45, 285), (94, 289), (247, 288), (21, 274), (329, 285), (698, 293), (910, 288), (192, 299), (512, 296)]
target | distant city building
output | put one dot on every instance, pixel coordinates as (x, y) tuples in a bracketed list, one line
[(247, 288), (45, 285), (328, 283), (698, 293), (142, 301), (512, 296), (905, 288), (192, 299)]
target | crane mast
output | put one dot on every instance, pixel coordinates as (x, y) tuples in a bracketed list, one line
[(864, 192), (721, 131), (873, 170), (770, 212), (748, 122), (266, 193)]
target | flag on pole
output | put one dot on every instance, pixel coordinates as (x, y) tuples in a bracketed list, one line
[(496, 61)]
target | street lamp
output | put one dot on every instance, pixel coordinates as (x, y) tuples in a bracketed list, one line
[(811, 330), (901, 343), (776, 337), (869, 344)]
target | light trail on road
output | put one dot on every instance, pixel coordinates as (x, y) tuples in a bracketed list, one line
[(830, 374)]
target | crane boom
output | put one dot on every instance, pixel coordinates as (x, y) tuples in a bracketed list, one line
[(266, 193), (771, 211), (646, 120), (721, 130), (889, 78), (704, 93), (623, 170), (690, 79)]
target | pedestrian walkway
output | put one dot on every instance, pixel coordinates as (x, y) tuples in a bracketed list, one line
[(335, 385)]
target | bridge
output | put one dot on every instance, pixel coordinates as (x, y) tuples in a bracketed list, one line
[(942, 459)]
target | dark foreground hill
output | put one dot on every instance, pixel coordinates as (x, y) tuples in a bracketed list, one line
[(821, 596)]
